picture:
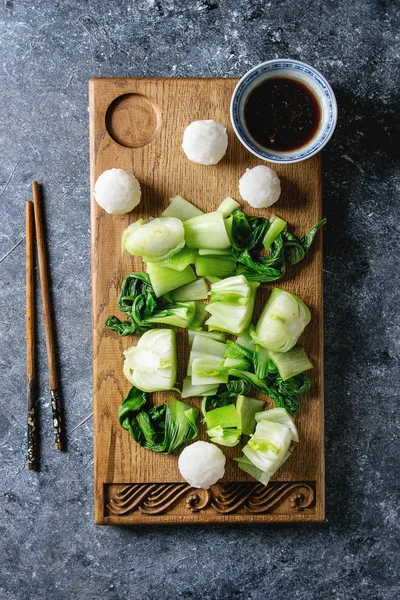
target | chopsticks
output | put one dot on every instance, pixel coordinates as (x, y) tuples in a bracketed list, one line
[(48, 322), (32, 463)]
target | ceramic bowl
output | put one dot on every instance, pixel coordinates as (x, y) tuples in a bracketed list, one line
[(293, 69)]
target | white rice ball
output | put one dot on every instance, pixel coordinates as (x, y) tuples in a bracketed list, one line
[(260, 186), (117, 191), (202, 464), (205, 142)]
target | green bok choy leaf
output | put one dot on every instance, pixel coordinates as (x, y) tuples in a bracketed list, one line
[(249, 234), (163, 428), (140, 304)]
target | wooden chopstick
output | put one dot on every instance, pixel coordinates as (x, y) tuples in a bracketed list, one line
[(48, 323), (32, 462)]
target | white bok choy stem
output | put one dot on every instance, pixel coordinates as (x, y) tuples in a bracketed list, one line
[(282, 321), (269, 446), (151, 365), (155, 240)]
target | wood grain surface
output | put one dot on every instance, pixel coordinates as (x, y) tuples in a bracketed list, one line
[(137, 125)]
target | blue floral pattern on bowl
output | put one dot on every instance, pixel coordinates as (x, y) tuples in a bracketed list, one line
[(307, 75)]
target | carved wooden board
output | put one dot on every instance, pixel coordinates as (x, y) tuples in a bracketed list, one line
[(137, 125)]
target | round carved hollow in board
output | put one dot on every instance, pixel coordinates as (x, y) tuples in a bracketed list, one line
[(133, 120)]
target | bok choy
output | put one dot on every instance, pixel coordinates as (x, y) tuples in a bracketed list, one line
[(165, 280), (282, 321), (223, 425), (151, 364), (180, 260), (227, 206), (269, 446), (155, 240), (226, 423), (199, 317), (182, 209), (231, 304), (250, 234), (207, 231), (196, 290), (263, 374), (163, 428), (139, 303)]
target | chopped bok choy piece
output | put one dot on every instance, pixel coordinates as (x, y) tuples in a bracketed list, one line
[(151, 364), (154, 240), (247, 466), (245, 340), (208, 370), (247, 408), (208, 346), (181, 209), (291, 363), (222, 425), (269, 446), (270, 442), (228, 227), (224, 436), (211, 335), (282, 321), (192, 356), (189, 390), (225, 395), (196, 290), (226, 416), (279, 415), (138, 302), (180, 260), (228, 317), (237, 363), (165, 280), (163, 428), (210, 266), (227, 206), (261, 358), (199, 317), (276, 226), (232, 304), (248, 235), (177, 314), (207, 231), (233, 290)]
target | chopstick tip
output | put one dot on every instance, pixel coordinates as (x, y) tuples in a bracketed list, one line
[(35, 188)]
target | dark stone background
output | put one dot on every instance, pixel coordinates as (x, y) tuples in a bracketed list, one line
[(49, 545)]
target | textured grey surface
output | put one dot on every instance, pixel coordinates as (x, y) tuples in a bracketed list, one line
[(49, 546)]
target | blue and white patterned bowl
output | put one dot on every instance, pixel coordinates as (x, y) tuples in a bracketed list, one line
[(296, 70)]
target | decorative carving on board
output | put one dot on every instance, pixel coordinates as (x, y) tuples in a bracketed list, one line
[(224, 499)]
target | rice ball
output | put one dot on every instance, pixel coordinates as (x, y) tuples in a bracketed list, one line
[(117, 191), (205, 142), (202, 464), (260, 186)]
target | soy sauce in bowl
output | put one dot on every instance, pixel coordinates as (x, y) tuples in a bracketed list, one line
[(282, 114)]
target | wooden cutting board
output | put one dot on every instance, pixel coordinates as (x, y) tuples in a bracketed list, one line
[(137, 125)]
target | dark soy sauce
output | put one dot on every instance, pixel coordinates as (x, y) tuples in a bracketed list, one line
[(282, 114)]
